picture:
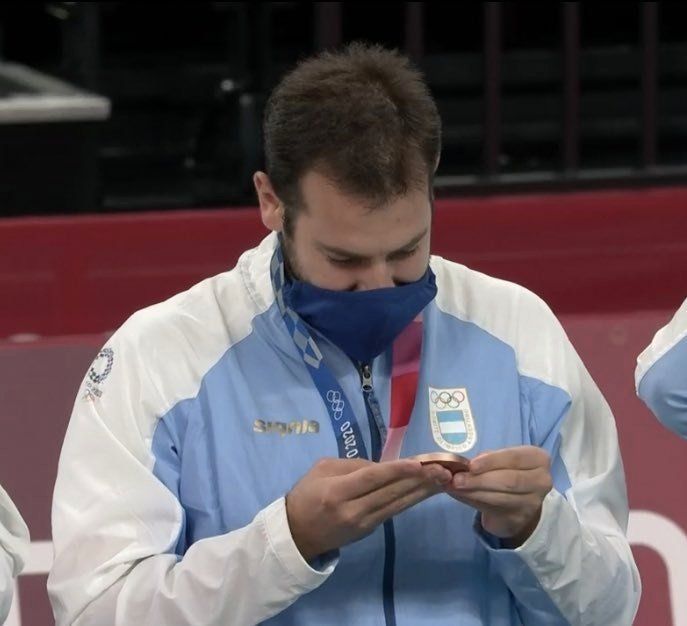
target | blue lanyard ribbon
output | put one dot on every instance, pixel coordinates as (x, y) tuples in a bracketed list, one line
[(344, 423)]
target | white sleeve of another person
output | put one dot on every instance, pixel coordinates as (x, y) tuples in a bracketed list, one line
[(14, 544)]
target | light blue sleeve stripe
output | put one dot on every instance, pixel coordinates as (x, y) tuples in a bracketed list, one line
[(166, 450), (545, 407), (664, 388)]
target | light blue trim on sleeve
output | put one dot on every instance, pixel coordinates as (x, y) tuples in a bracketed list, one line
[(166, 449), (545, 407), (664, 388)]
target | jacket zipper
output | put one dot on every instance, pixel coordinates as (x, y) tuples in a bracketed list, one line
[(374, 412), (377, 435)]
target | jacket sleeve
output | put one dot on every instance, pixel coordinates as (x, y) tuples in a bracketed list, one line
[(115, 525), (661, 374), (577, 567), (14, 543)]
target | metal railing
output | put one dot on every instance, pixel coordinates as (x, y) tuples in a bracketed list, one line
[(569, 171)]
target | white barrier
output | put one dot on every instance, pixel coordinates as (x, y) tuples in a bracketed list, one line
[(38, 561), (668, 540)]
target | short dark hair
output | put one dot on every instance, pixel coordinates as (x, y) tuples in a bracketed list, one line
[(363, 117)]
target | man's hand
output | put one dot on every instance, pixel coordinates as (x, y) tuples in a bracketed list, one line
[(340, 500), (507, 487)]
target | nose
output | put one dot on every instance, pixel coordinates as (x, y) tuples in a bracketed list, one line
[(376, 276)]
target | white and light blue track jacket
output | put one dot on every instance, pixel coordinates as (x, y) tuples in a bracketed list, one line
[(14, 545), (199, 415), (661, 374)]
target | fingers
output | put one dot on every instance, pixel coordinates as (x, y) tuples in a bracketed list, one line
[(374, 476), (509, 481), (339, 467), (490, 500), (434, 479), (508, 487), (339, 501), (362, 514), (400, 503), (520, 457), (509, 521)]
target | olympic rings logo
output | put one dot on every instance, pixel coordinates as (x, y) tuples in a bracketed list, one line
[(447, 399), (99, 377), (336, 403)]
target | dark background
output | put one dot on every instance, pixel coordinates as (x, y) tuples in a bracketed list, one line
[(188, 81)]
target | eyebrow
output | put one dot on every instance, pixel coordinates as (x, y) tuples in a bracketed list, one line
[(360, 257)]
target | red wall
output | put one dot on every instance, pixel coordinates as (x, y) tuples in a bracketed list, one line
[(592, 251)]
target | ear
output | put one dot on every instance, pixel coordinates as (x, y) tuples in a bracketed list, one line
[(271, 208)]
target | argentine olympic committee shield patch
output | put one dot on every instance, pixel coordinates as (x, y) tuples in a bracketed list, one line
[(450, 416)]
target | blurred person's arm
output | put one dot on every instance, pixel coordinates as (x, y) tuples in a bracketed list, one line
[(661, 374), (14, 540), (116, 525)]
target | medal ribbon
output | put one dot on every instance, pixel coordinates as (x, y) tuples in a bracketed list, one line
[(405, 372), (344, 423)]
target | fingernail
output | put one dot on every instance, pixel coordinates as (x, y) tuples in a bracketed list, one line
[(459, 480)]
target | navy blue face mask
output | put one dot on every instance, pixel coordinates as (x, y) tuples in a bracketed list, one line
[(362, 323)]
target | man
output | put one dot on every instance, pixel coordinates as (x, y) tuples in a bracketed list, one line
[(221, 465), (661, 374), (14, 539)]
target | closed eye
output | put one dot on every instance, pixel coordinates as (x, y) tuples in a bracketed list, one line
[(346, 262), (356, 262), (403, 254)]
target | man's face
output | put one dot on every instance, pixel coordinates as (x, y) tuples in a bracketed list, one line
[(338, 243)]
